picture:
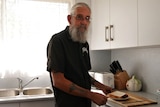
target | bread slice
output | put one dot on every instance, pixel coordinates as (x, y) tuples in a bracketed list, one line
[(118, 94)]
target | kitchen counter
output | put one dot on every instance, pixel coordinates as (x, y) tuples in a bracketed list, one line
[(25, 98), (142, 94)]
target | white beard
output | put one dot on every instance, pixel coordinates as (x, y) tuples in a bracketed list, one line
[(78, 36)]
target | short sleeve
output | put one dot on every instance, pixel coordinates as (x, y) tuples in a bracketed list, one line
[(55, 55)]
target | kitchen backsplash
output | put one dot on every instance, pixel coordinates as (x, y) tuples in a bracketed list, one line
[(100, 60), (142, 62)]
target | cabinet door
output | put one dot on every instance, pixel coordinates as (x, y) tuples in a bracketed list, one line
[(123, 17), (10, 105), (49, 103), (95, 105), (149, 22), (122, 14), (99, 23)]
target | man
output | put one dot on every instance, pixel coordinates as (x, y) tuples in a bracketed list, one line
[(69, 62)]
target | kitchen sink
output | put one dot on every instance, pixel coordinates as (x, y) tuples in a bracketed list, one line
[(9, 92), (26, 91), (37, 91)]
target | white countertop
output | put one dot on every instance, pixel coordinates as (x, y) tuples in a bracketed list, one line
[(25, 98), (140, 93)]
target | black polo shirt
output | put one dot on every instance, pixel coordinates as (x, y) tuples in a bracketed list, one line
[(72, 59)]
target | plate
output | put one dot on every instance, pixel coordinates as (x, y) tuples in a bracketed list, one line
[(120, 99)]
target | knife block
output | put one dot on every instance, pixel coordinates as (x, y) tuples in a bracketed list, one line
[(120, 80)]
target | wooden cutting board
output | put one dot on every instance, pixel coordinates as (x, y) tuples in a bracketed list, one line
[(133, 101)]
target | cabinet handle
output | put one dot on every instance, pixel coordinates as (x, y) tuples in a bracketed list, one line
[(111, 33), (106, 34)]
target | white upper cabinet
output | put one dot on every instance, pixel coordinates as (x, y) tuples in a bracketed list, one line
[(149, 22), (99, 24), (114, 24), (123, 17)]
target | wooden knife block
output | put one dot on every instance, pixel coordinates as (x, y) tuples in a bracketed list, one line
[(120, 80)]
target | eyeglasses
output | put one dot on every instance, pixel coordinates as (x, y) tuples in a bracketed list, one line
[(81, 18)]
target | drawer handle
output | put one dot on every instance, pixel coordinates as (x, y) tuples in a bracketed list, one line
[(106, 34), (111, 33)]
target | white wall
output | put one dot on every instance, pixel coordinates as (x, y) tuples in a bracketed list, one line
[(142, 62), (85, 1)]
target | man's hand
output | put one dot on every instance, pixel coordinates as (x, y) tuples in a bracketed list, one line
[(106, 89), (98, 98), (98, 85)]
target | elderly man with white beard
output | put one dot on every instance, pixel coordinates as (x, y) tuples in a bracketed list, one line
[(69, 62)]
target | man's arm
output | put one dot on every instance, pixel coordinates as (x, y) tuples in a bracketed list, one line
[(98, 85), (60, 82)]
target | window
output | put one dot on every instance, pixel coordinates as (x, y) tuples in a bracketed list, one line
[(26, 27)]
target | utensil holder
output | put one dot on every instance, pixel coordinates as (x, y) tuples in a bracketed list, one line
[(120, 80)]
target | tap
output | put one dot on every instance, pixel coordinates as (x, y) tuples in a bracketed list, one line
[(20, 81)]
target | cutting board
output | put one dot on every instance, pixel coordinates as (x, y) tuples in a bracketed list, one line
[(133, 101)]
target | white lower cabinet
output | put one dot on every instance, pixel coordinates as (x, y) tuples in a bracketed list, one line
[(40, 103), (9, 105), (47, 103), (95, 105)]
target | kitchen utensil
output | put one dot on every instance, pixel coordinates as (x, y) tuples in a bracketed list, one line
[(134, 100), (119, 66), (115, 65), (120, 79), (113, 70)]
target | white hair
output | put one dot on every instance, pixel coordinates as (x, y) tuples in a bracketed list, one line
[(74, 7)]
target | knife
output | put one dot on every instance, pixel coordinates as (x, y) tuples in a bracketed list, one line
[(119, 66), (113, 70), (115, 65)]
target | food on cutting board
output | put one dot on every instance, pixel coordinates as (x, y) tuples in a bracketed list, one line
[(118, 94)]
